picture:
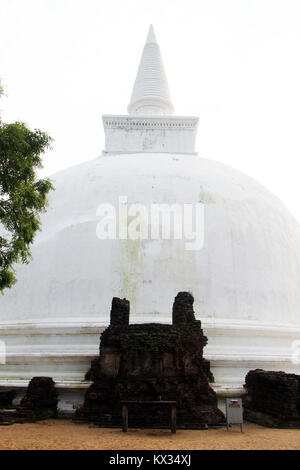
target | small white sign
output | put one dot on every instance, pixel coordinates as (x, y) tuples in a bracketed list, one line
[(234, 412)]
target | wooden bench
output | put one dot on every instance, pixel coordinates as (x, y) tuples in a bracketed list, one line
[(172, 405)]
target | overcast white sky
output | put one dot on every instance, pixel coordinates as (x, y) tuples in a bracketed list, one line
[(233, 63)]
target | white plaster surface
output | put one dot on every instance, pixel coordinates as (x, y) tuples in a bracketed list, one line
[(245, 279), (148, 134)]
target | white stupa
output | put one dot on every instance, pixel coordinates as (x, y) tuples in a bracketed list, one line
[(245, 279)]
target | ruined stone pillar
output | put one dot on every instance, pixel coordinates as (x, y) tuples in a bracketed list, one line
[(183, 310), (119, 314)]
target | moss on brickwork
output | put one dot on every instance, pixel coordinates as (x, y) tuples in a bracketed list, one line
[(152, 339)]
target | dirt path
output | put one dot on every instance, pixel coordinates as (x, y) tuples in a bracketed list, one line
[(63, 435)]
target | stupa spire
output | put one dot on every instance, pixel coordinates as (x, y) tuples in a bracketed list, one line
[(150, 95)]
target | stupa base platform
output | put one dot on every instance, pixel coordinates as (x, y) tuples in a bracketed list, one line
[(64, 351), (71, 393)]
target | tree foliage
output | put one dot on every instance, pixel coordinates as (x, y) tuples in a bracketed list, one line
[(22, 195)]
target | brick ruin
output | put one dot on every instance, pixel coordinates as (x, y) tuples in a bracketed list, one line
[(150, 362), (273, 399), (40, 402)]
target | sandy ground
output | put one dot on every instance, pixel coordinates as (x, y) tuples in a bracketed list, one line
[(65, 435)]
